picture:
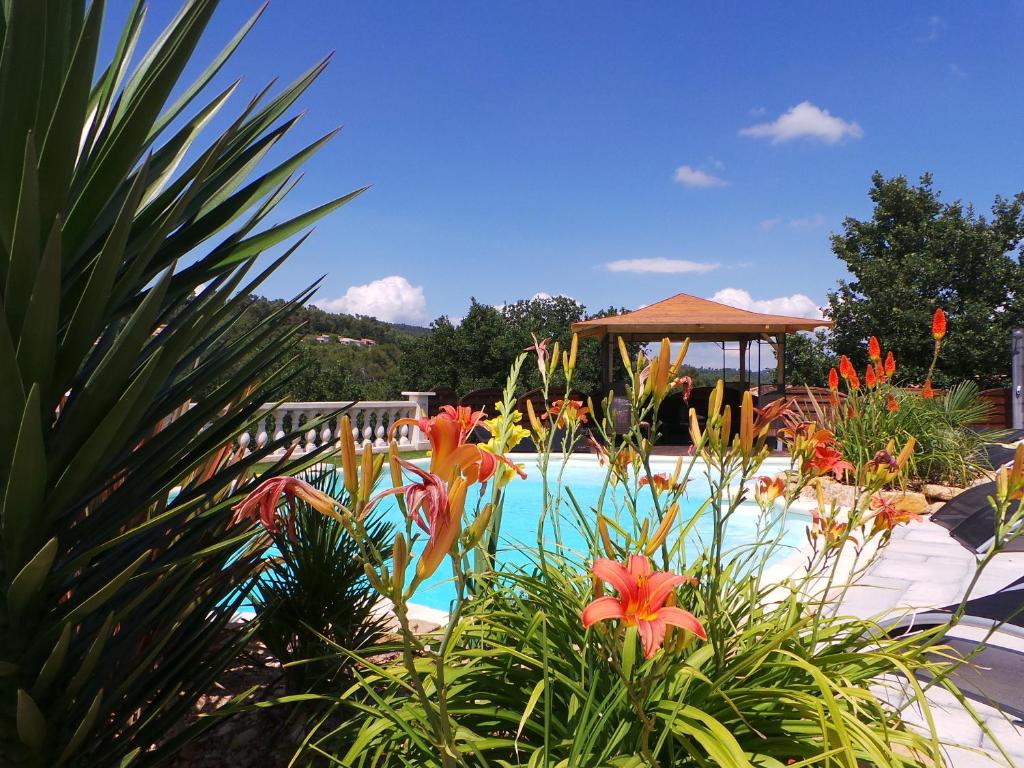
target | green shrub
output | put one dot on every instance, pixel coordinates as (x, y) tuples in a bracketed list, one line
[(313, 596), (115, 209), (721, 667), (947, 447)]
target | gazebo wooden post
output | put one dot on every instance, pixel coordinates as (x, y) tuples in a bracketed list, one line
[(780, 369), (607, 366), (743, 363)]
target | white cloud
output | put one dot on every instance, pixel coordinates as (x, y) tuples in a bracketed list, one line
[(694, 177), (392, 299), (660, 266), (797, 305), (934, 27), (808, 222), (805, 120), (769, 224)]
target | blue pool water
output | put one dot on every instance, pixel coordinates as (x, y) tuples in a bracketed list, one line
[(584, 477)]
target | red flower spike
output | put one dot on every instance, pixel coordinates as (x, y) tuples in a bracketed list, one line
[(833, 379), (926, 391), (874, 348), (939, 324), (869, 377), (890, 365), (846, 369), (892, 404)]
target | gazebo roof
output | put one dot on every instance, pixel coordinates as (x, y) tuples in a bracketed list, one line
[(700, 319)]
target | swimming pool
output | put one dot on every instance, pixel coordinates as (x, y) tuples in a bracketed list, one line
[(584, 477)]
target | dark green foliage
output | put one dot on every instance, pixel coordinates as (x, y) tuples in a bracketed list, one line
[(314, 596), (114, 596), (808, 359), (478, 351), (917, 253)]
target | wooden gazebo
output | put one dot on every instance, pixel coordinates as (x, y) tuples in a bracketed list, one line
[(684, 316)]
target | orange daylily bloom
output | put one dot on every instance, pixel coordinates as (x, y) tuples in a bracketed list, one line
[(768, 489), (661, 482), (874, 349), (939, 324), (828, 529), (641, 602), (889, 513), (541, 349), (833, 379), (436, 509), (568, 412), (261, 504), (828, 460), (890, 365)]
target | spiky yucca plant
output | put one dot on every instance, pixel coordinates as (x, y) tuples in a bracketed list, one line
[(111, 596)]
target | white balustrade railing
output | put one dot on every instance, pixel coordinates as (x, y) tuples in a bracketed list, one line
[(371, 421)]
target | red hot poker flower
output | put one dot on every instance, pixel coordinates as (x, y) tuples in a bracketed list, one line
[(892, 404), (869, 377), (641, 601), (939, 324), (846, 369), (926, 391), (833, 379), (874, 349), (890, 365)]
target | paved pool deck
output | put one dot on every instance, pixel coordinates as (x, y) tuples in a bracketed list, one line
[(921, 568)]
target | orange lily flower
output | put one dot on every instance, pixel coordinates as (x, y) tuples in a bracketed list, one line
[(261, 504), (874, 349), (641, 601), (939, 324), (436, 509), (568, 412), (827, 528), (828, 460), (661, 482), (889, 514), (768, 489)]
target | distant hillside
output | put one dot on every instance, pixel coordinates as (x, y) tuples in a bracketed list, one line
[(320, 321)]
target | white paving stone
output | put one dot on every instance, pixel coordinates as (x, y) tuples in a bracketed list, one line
[(922, 567)]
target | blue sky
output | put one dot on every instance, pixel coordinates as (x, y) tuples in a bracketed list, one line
[(521, 148)]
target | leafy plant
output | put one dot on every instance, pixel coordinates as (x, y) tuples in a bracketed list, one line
[(314, 595), (876, 413), (641, 649), (114, 594)]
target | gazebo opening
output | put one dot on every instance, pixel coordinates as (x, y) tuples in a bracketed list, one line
[(684, 316)]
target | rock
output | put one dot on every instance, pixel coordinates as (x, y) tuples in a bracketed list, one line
[(936, 492)]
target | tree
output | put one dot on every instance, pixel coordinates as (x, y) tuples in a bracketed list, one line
[(808, 359), (917, 253), (478, 351)]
